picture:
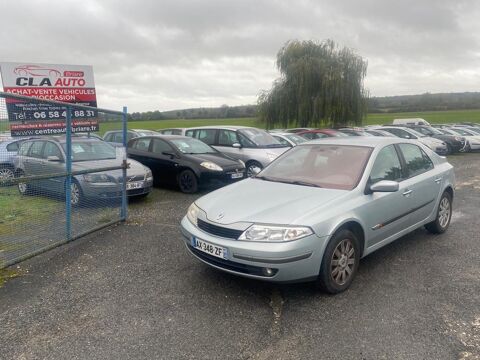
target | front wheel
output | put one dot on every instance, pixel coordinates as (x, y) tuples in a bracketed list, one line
[(187, 182), (76, 195), (444, 215), (253, 168), (340, 262)]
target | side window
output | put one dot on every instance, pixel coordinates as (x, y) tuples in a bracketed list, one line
[(386, 166), (13, 146), (51, 149), (108, 137), (416, 160), (36, 149), (282, 141), (400, 133), (23, 150), (117, 137), (206, 135), (227, 137), (190, 133), (141, 144), (130, 136), (160, 146), (309, 136)]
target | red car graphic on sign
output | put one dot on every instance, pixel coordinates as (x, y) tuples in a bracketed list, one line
[(36, 70)]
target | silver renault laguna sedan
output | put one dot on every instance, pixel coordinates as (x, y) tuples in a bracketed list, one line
[(319, 208)]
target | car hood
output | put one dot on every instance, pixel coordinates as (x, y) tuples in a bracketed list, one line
[(430, 141), (259, 201), (217, 158), (135, 167)]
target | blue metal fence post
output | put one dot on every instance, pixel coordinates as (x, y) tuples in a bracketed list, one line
[(123, 212), (68, 182)]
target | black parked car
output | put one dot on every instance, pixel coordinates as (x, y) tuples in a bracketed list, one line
[(184, 161), (454, 143)]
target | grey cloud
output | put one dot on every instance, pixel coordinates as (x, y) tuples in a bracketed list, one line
[(169, 54)]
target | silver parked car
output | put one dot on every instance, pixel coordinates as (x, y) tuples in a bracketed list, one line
[(255, 147), (8, 152), (288, 139), (47, 156), (319, 208)]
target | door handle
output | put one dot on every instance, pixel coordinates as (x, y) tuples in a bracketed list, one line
[(406, 193), (437, 180)]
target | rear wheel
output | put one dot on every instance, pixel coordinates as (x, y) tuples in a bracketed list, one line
[(23, 187), (444, 215), (76, 195), (340, 262), (187, 182)]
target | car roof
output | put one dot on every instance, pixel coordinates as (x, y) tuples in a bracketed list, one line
[(222, 127), (358, 141)]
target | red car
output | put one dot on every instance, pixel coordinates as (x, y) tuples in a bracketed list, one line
[(321, 133)]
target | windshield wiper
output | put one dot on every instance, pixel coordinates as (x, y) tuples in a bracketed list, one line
[(294, 182), (304, 183)]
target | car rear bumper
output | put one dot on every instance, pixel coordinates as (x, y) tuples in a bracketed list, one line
[(113, 190), (292, 261)]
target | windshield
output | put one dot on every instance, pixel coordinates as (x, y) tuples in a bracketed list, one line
[(296, 138), (461, 132), (91, 150), (320, 165), (475, 131), (257, 138), (426, 131), (192, 146), (416, 133)]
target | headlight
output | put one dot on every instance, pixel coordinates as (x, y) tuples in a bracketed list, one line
[(271, 156), (458, 138), (97, 178), (211, 166), (148, 174), (192, 213), (275, 233)]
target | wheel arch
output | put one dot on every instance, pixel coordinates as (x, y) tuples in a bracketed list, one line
[(356, 228)]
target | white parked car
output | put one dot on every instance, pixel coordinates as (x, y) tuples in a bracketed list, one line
[(411, 121), (436, 145)]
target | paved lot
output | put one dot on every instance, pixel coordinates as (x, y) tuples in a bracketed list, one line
[(133, 292)]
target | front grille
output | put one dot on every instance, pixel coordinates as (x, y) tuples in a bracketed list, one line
[(231, 265), (219, 230)]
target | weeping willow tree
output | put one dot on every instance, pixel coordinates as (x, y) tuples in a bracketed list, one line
[(320, 85)]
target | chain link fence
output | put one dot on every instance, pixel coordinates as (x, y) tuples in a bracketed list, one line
[(59, 179)]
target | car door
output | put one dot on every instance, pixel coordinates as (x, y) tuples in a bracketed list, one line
[(164, 167), (386, 213), (225, 141), (33, 161), (52, 166), (423, 183), (139, 149)]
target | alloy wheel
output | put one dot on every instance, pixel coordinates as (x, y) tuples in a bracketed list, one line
[(74, 194), (186, 182), (343, 262), (6, 174), (444, 212)]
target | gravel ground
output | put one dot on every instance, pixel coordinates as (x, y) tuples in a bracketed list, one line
[(133, 292)]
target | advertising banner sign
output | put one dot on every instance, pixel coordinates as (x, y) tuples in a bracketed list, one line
[(66, 83)]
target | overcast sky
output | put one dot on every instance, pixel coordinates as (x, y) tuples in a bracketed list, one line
[(170, 54)]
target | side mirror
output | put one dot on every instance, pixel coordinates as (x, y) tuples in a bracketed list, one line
[(54, 158), (237, 145), (384, 186)]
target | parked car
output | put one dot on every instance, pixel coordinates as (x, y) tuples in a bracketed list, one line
[(321, 133), (321, 207), (8, 151), (411, 121), (454, 143), (354, 132), (47, 156), (288, 139), (436, 145), (255, 147), (88, 135), (172, 131), (116, 136), (472, 137), (185, 162), (378, 132)]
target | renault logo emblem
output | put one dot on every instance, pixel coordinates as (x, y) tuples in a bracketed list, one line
[(220, 216)]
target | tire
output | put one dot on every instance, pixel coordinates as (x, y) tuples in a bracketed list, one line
[(76, 195), (339, 265), (250, 166), (187, 182), (444, 215), (23, 187), (6, 174)]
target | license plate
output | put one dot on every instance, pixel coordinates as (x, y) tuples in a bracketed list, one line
[(134, 185), (237, 175), (210, 249)]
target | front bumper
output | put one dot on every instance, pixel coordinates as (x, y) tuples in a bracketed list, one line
[(113, 190), (221, 177), (292, 261)]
